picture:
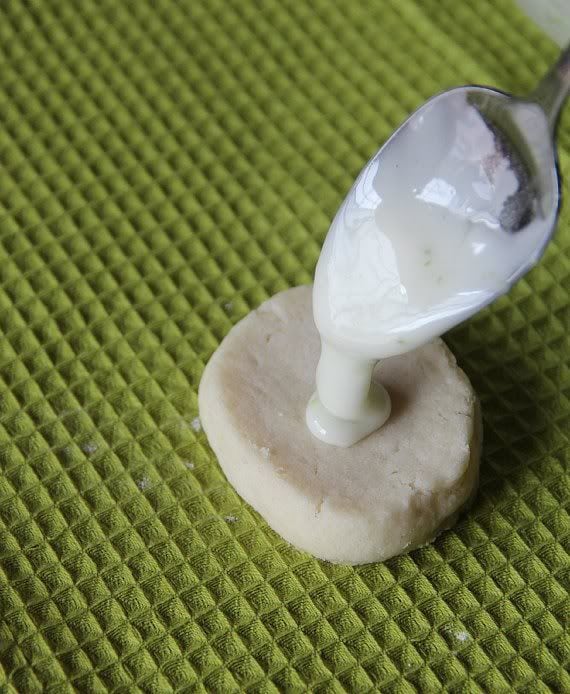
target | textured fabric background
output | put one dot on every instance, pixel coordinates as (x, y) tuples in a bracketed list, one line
[(164, 167)]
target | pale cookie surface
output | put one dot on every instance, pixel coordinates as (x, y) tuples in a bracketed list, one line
[(390, 492)]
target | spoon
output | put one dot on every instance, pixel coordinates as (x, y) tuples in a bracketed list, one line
[(453, 209)]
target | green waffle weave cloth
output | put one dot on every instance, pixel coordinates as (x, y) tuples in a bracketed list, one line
[(165, 166)]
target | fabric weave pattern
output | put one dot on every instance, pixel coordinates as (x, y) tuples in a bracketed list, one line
[(165, 166)]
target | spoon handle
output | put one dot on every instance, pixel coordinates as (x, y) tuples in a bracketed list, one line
[(552, 91)]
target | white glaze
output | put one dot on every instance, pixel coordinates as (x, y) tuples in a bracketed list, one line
[(344, 383), (415, 248)]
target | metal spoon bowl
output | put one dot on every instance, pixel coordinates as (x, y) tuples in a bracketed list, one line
[(471, 181)]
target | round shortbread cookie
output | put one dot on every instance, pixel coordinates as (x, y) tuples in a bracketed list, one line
[(391, 492)]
